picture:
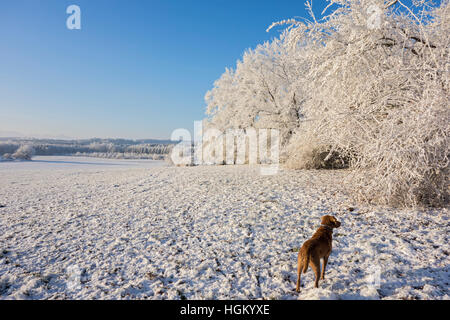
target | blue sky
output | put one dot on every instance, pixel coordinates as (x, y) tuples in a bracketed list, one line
[(136, 69)]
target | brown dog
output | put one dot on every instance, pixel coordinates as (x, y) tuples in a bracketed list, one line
[(316, 248)]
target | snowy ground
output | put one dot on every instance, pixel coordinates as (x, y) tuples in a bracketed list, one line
[(81, 163), (74, 228)]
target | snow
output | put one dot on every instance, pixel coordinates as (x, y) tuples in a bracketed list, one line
[(74, 228), (83, 163)]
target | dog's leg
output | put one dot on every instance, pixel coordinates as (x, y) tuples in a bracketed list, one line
[(299, 272), (315, 265), (299, 276), (325, 261)]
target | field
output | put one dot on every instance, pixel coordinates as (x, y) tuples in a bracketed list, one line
[(84, 228)]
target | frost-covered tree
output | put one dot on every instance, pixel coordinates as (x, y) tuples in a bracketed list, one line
[(25, 152), (365, 85), (261, 92), (378, 96)]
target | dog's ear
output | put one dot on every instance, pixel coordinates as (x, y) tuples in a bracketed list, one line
[(327, 220)]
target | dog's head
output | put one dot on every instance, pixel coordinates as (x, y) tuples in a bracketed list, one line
[(330, 221)]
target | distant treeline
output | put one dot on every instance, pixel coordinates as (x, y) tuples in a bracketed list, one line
[(110, 148)]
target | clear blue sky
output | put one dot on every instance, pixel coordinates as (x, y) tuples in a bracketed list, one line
[(136, 69)]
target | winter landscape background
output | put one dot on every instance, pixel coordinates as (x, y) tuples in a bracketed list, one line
[(357, 95)]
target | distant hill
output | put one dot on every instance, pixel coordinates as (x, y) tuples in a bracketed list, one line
[(96, 147)]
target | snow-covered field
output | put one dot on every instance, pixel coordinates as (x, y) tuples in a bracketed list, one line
[(74, 228)]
